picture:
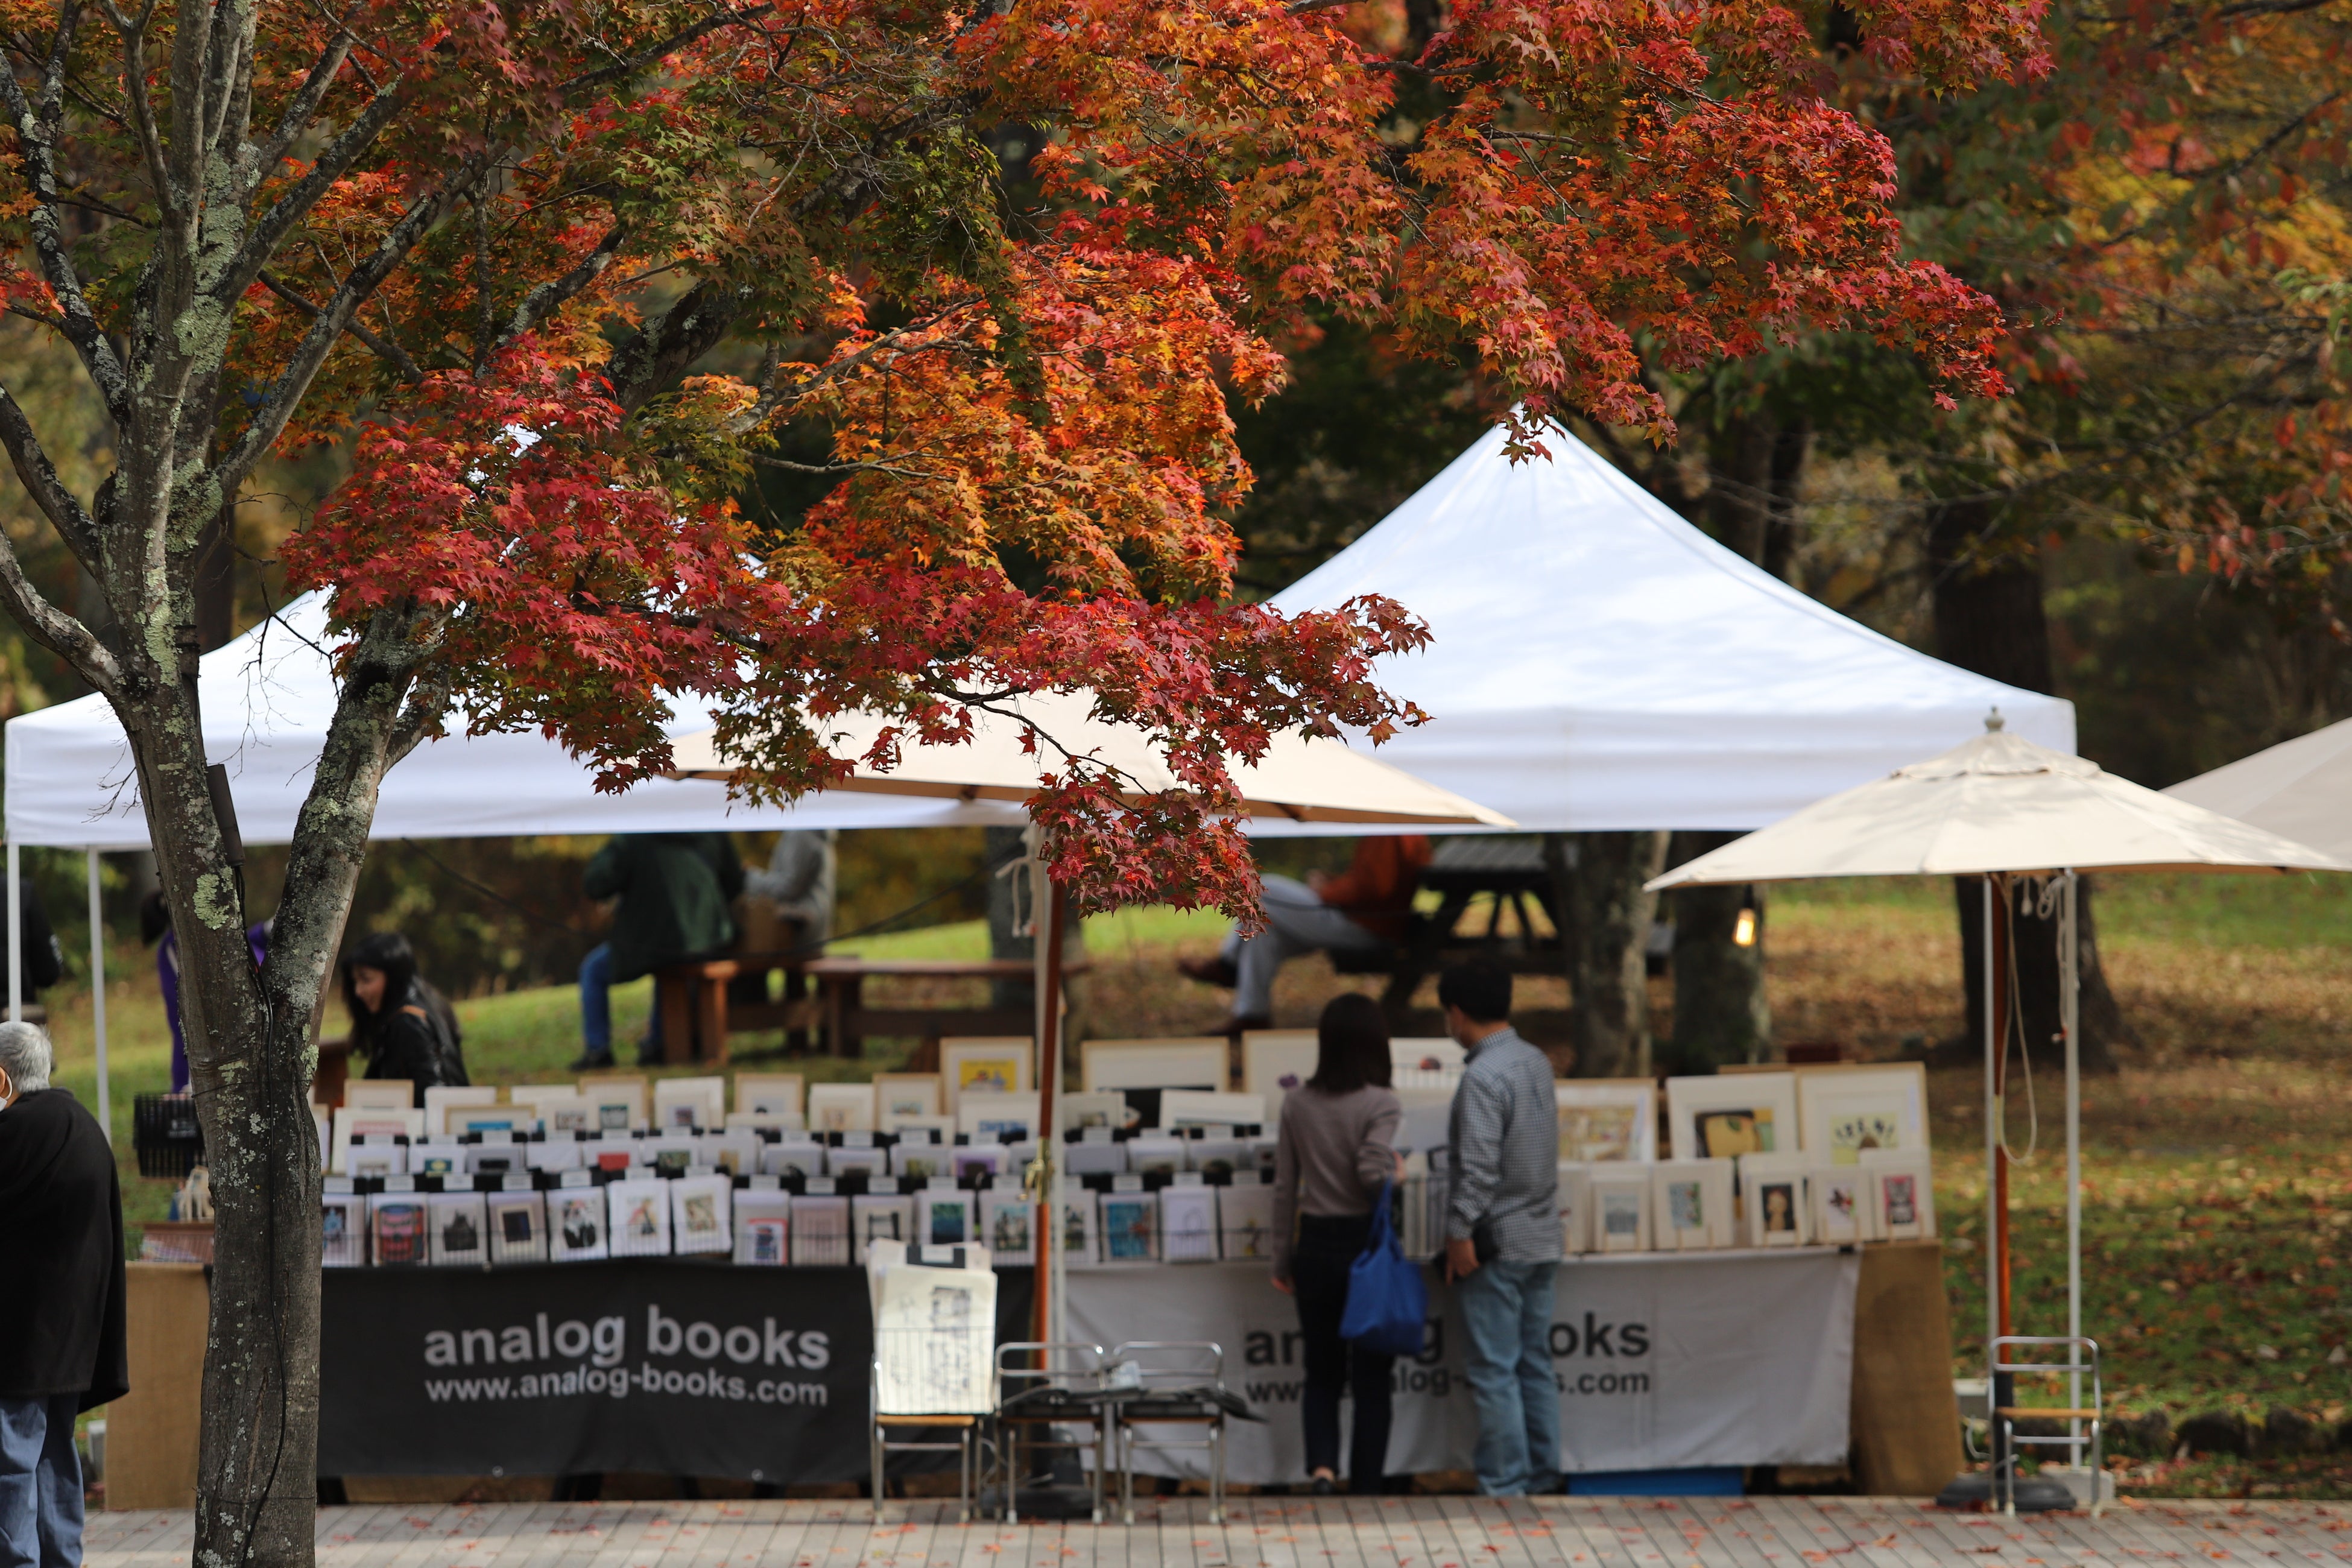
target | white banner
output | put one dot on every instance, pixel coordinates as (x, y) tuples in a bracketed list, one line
[(1662, 1360)]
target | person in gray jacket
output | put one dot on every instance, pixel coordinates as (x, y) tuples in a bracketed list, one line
[(1502, 1231), (1336, 1153)]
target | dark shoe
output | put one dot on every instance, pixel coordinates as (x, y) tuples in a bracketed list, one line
[(1209, 972), (1235, 1027), (1321, 1486), (652, 1057), (594, 1064)]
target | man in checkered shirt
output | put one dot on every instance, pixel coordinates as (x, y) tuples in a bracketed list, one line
[(1502, 1231)]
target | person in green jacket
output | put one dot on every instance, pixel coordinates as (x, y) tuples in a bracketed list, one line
[(674, 890)]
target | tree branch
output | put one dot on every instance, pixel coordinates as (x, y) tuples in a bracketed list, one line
[(39, 477), (548, 297), (334, 160), (392, 353), (60, 633)]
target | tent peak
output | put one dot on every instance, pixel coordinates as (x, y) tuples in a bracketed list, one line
[(1994, 722), (1998, 752)]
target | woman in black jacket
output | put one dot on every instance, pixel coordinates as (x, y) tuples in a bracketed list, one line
[(399, 1022)]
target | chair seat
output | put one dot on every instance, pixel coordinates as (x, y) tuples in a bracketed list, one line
[(887, 1419)]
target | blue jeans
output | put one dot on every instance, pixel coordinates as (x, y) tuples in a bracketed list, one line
[(1506, 1330), (596, 1005), (40, 1483), (1297, 921)]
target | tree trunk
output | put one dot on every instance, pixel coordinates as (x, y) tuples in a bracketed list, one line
[(251, 1057), (1721, 1015), (1989, 618), (1607, 934)]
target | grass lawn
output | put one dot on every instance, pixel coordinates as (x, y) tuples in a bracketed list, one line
[(2218, 1163)]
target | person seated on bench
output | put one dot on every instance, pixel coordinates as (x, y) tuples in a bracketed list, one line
[(1364, 909), (673, 889)]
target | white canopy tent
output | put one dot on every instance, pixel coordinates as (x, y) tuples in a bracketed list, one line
[(2299, 789), (1598, 664)]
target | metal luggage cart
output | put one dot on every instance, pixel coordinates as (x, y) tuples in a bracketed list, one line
[(1061, 1387), (2005, 1417), (1177, 1383)]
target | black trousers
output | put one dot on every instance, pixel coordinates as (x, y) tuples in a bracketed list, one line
[(1328, 1246)]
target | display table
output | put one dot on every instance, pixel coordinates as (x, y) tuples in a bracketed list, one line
[(1662, 1360), (669, 1365)]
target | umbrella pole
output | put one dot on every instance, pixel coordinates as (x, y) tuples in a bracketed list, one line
[(1998, 962), (2069, 1023), (1047, 924)]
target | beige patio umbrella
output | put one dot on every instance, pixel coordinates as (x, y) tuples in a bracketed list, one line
[(2301, 788), (2001, 807), (1301, 778)]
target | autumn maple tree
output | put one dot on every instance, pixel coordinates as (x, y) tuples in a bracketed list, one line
[(562, 279)]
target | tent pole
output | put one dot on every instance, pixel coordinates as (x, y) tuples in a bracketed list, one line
[(1997, 965), (1992, 1140), (15, 934), (2069, 1023), (1046, 926), (98, 998)]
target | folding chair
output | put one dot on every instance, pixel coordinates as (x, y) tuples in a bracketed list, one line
[(2006, 1416), (915, 1403), (1063, 1389), (1174, 1382)]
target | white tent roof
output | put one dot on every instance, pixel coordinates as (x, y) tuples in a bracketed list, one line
[(1600, 664), (1998, 803), (266, 699), (2300, 789), (1299, 779)]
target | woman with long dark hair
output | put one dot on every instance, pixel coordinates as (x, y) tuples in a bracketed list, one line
[(399, 1022), (1337, 1150)]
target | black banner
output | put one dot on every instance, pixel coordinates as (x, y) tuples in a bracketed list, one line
[(671, 1367)]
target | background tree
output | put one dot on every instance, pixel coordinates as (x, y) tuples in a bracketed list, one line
[(560, 281)]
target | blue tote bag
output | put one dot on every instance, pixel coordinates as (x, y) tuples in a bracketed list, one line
[(1387, 1301)]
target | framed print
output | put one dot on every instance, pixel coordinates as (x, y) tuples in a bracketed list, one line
[(911, 1129), (976, 1159), (733, 1153), (518, 1226), (1089, 1157), (1722, 1118), (1181, 1107), (690, 1104), (996, 1117), (575, 1224), (1217, 1158), (922, 1161), (1275, 1062), (845, 1161), (880, 1217), (1103, 1107), (343, 1229), (1902, 1194), (820, 1231), (1188, 1225), (441, 1098), (379, 1094), (442, 1159), (375, 1156), (699, 1220), (554, 1154), (501, 1158), (1129, 1227), (1190, 1063), (1620, 1207), (841, 1108), (764, 1221), (1604, 1119), (947, 1218), (793, 1158), (563, 1111), (1079, 1229), (1690, 1205), (459, 1120), (1156, 1156), (636, 1219), (1431, 1053), (1245, 1221), (370, 1122), (1782, 1217), (983, 1065), (397, 1225), (1841, 1205), (770, 1094), (901, 1094), (1845, 1111), (1005, 1218), (669, 1155), (619, 1103), (1575, 1207)]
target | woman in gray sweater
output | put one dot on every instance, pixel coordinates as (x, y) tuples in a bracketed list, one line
[(1338, 1148)]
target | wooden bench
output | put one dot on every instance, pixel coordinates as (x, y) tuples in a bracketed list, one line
[(698, 992)]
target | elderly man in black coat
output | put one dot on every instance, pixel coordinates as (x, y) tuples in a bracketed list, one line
[(61, 1340)]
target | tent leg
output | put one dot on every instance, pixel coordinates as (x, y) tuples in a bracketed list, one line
[(2069, 1023), (15, 934), (1046, 925), (1993, 1392), (98, 998)]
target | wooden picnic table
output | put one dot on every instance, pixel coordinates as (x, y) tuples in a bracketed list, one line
[(838, 1006)]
